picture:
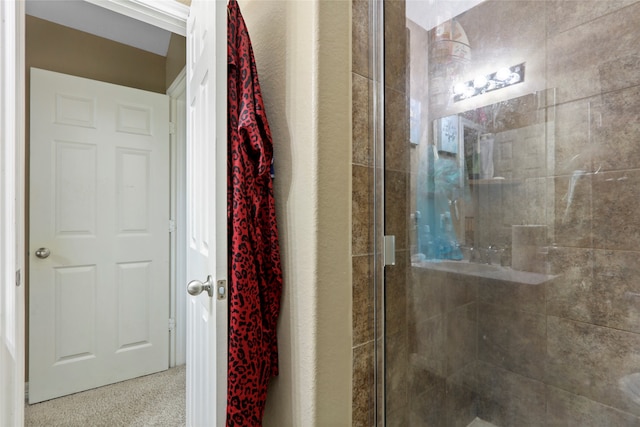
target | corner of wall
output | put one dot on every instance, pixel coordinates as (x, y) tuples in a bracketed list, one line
[(334, 340), (176, 58)]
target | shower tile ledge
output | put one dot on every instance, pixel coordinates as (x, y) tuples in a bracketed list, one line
[(486, 271)]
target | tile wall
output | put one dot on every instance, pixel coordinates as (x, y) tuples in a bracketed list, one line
[(396, 174), (363, 414), (564, 353)]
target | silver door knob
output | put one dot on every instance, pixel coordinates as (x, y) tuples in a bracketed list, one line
[(43, 253), (195, 287)]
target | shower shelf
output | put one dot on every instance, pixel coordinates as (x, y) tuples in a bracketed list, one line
[(494, 181), (486, 271)]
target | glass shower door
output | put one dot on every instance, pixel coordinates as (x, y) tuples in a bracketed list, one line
[(511, 164)]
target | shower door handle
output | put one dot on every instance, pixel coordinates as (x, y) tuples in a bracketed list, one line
[(389, 252)]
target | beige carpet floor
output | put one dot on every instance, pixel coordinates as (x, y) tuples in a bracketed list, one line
[(152, 400)]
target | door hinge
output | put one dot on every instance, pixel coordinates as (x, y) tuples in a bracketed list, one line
[(172, 128), (18, 278), (172, 225), (172, 324)]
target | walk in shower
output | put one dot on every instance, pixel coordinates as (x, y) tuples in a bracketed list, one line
[(506, 163)]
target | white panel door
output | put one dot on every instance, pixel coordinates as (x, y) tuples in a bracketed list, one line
[(11, 213), (99, 208), (206, 211)]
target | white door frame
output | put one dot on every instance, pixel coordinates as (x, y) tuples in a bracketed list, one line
[(12, 208), (178, 298), (169, 15), (166, 14)]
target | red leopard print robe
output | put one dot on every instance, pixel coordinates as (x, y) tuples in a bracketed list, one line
[(255, 275)]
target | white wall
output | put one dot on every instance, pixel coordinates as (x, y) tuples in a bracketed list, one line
[(302, 51)]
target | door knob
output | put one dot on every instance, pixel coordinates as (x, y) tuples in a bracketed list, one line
[(195, 287), (43, 253)]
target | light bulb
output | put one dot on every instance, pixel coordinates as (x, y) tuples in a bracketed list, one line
[(469, 92), (503, 74), (460, 88), (480, 82)]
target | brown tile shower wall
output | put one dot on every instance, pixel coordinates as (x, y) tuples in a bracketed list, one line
[(396, 213), (443, 330), (573, 352), (568, 352), (559, 353), (363, 384), (442, 307), (396, 174), (552, 354)]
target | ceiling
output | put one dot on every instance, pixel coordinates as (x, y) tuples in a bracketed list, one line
[(430, 13), (84, 16)]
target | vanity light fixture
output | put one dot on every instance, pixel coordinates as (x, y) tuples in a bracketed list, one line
[(504, 77)]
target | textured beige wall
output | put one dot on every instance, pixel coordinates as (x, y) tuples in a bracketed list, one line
[(302, 52)]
